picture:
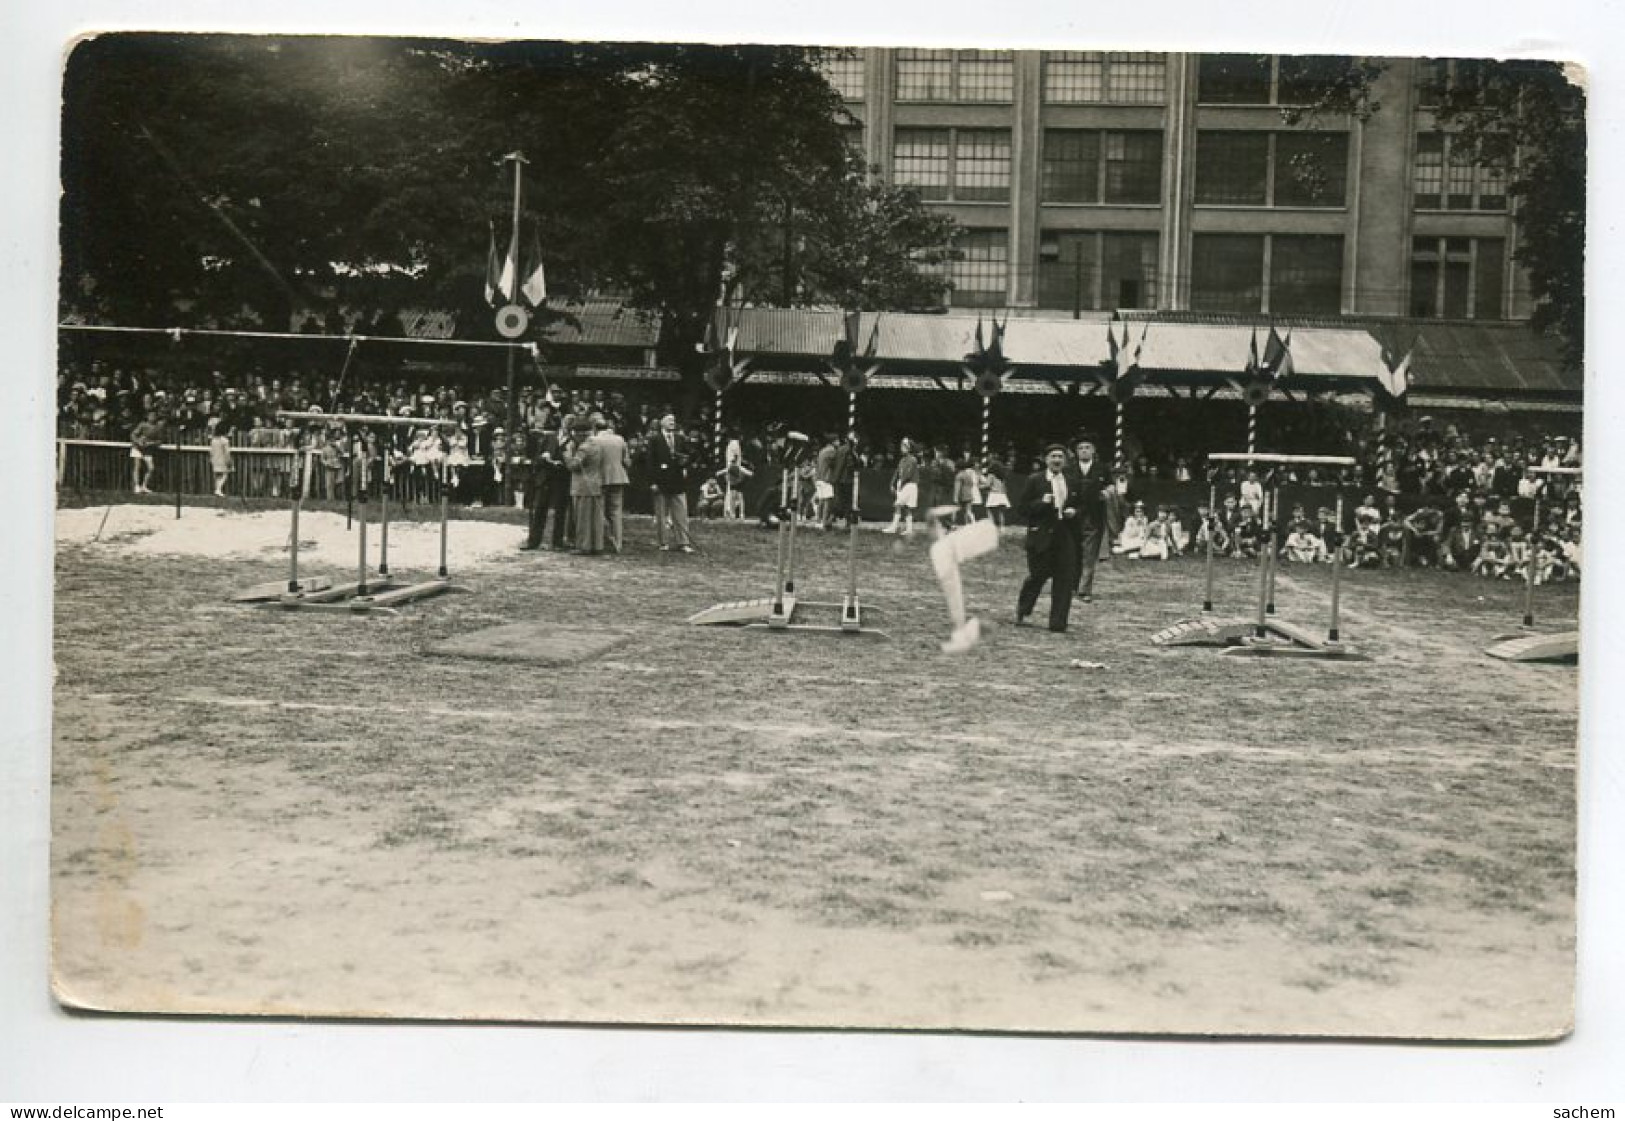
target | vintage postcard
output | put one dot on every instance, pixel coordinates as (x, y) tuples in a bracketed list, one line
[(1066, 540)]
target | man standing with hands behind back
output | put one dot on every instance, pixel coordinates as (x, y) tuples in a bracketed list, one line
[(613, 465), (1091, 521), (1049, 505)]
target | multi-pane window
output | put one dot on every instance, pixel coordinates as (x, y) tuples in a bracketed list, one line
[(1086, 165), (1261, 79), (981, 164), (1306, 274), (1243, 168), (921, 158), (1227, 272), (927, 75), (985, 75), (980, 270), (1447, 176), (1304, 277), (967, 164), (1085, 269), (1234, 79), (1311, 168), (1232, 168), (1458, 277), (844, 69), (1120, 77)]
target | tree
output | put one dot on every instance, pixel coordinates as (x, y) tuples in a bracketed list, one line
[(1527, 118), (257, 179)]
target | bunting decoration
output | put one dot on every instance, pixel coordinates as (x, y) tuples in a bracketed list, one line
[(989, 367), (1123, 378)]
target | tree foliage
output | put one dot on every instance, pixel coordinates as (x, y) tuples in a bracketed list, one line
[(250, 179), (1526, 117), (1529, 117)]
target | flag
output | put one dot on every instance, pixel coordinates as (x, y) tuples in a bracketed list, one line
[(874, 340), (535, 287), (493, 270), (1399, 377), (510, 271), (1252, 355), (1278, 354)]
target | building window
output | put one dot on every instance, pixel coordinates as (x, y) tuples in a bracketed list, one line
[(967, 165), (1085, 165), (1117, 77), (920, 159), (1074, 77), (1089, 270), (1311, 168), (987, 76), (1458, 277), (1234, 79), (1227, 273), (1133, 167), (1306, 274), (1071, 170), (981, 268), (845, 72), (1261, 79), (925, 75), (1302, 169), (1232, 168), (981, 164), (852, 136), (1447, 176)]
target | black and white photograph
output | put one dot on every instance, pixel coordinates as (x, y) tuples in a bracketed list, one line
[(1081, 541)]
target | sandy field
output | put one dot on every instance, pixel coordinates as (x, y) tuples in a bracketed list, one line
[(272, 813)]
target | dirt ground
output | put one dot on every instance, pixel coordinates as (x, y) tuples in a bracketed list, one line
[(265, 812)]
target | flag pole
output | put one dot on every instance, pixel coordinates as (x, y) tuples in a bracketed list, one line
[(518, 159)]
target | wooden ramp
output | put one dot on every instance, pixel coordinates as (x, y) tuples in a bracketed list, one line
[(275, 589), (1562, 646), (739, 613), (1203, 632)]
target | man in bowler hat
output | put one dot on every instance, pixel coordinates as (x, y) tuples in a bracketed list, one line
[(1049, 505)]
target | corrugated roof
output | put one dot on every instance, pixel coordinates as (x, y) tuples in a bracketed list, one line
[(1497, 357), (600, 322), (919, 338), (1226, 348)]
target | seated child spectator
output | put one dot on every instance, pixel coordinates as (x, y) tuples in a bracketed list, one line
[(1493, 553), (1303, 544), (1425, 531), (1132, 538), (1391, 539), (1157, 545), (1248, 536)]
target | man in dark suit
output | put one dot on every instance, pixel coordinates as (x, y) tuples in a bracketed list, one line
[(1049, 505), (668, 469), (1090, 524)]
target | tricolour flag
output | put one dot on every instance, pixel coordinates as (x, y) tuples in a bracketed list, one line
[(510, 272), (535, 287), (493, 271), (1278, 354)]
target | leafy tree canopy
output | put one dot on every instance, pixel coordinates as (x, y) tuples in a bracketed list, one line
[(253, 178)]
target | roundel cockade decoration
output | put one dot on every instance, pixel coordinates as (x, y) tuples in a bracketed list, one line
[(854, 379), (720, 373), (989, 383), (1256, 392), (1121, 389), (512, 321)]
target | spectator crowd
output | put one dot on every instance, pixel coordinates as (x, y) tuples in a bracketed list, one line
[(1432, 494)]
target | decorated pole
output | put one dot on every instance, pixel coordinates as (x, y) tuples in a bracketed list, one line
[(518, 159), (1332, 635), (987, 426), (1118, 437), (852, 514), (1529, 574), (727, 475), (1207, 529), (1252, 428)]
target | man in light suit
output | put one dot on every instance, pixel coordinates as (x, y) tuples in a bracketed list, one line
[(668, 468), (1049, 505), (615, 460)]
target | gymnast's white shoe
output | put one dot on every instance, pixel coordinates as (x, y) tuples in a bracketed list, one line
[(964, 638)]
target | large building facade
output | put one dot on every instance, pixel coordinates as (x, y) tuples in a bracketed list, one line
[(1095, 181)]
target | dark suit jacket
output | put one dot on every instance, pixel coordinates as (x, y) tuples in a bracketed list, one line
[(1045, 524), (1090, 487), (668, 465)]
